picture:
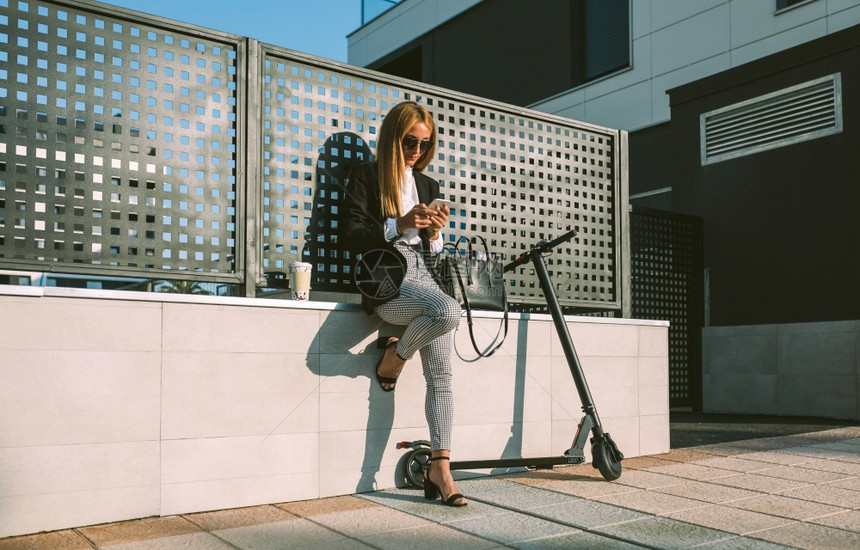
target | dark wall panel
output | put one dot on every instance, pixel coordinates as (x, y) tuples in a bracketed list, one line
[(502, 51), (782, 226), (650, 158)]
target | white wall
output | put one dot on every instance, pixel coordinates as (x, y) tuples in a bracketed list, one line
[(800, 369), (120, 405), (674, 42)]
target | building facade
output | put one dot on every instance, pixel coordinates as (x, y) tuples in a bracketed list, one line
[(743, 113)]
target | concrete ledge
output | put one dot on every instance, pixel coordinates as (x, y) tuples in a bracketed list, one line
[(120, 405)]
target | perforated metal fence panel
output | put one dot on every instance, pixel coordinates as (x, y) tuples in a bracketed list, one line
[(514, 176), (667, 284), (118, 142), (155, 149)]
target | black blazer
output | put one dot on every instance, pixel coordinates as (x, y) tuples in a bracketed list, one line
[(381, 268)]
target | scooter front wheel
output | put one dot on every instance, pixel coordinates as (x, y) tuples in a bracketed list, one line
[(603, 457)]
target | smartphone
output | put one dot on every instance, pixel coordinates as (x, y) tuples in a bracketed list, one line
[(437, 203)]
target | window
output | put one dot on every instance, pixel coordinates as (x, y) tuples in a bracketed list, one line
[(800, 113), (604, 37), (784, 4)]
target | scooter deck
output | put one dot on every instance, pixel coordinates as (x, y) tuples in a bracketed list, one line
[(537, 463)]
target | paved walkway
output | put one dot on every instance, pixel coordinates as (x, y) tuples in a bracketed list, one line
[(792, 491)]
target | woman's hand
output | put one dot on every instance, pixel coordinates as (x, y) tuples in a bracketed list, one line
[(420, 217), (438, 219)]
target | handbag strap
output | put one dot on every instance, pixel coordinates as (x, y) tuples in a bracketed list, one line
[(496, 343)]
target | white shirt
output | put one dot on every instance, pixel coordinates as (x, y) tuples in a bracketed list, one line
[(408, 199)]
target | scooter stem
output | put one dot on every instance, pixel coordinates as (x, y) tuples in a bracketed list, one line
[(564, 336)]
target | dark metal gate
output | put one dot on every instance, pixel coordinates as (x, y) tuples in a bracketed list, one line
[(667, 283)]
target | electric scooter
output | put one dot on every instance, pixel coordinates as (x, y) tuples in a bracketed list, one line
[(605, 455)]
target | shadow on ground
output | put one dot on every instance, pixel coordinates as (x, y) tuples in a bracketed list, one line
[(689, 429)]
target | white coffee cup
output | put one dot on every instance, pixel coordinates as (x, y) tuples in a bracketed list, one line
[(300, 280)]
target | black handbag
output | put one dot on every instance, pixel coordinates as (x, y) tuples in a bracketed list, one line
[(474, 278)]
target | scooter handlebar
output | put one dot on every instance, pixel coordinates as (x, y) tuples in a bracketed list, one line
[(541, 246)]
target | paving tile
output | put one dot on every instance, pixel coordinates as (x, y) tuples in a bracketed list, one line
[(846, 432), (731, 520), (286, 535), (760, 483), (799, 473), (645, 462), (771, 457), (238, 517), (576, 541), (816, 451), (652, 502), (849, 468), (435, 536), (706, 492), (57, 540), (648, 479), (850, 520), (511, 527), (765, 443), (310, 508), (478, 485), (685, 455), (368, 521), (138, 530), (564, 473), (664, 533), (692, 471), (744, 543), (827, 494), (786, 507), (588, 488), (852, 483), (578, 471), (721, 449), (524, 497), (844, 446), (734, 464), (811, 536), (410, 503), (587, 514), (191, 541), (845, 456)]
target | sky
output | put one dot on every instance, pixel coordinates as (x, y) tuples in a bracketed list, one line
[(317, 27)]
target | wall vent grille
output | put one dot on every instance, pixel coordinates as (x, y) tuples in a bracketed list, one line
[(799, 113)]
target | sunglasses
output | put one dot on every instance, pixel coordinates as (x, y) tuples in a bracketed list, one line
[(410, 143)]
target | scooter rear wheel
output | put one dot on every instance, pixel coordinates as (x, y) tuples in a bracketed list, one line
[(603, 458), (416, 462)]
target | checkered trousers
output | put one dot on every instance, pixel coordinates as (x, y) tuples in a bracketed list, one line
[(430, 316)]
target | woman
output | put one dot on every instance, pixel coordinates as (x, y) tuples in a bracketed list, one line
[(385, 218)]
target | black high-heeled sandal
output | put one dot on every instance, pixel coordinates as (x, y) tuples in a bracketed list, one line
[(431, 490), (386, 379)]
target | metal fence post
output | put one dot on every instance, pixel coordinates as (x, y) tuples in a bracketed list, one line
[(250, 179)]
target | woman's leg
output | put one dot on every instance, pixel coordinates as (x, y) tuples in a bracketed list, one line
[(439, 399), (430, 316), (427, 312)]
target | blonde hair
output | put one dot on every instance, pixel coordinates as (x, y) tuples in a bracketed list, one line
[(389, 153)]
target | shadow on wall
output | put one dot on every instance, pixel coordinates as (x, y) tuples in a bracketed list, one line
[(332, 264), (350, 349), (345, 347)]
